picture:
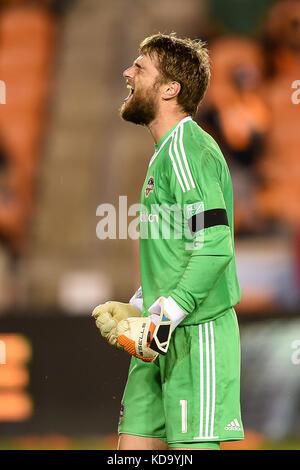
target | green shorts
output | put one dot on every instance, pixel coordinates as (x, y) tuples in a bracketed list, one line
[(190, 396)]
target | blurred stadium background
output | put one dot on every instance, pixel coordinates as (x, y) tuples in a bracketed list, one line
[(64, 151)]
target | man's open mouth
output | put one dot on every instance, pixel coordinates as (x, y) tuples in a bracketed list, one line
[(130, 92)]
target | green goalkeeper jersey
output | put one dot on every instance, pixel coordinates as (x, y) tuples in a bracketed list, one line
[(186, 226)]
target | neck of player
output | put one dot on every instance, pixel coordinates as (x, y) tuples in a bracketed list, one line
[(163, 122)]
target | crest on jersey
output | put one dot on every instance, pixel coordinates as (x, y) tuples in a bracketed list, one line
[(150, 186), (122, 412)]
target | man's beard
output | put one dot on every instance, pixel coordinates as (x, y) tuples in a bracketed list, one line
[(140, 109)]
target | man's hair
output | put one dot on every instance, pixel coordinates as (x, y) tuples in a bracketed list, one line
[(185, 61)]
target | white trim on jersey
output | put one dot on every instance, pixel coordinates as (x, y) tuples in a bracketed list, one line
[(179, 161), (187, 118), (175, 166), (181, 166), (208, 396), (184, 157)]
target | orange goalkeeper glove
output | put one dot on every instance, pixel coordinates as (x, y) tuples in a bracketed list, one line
[(145, 337)]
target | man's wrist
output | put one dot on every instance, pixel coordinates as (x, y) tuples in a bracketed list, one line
[(172, 309)]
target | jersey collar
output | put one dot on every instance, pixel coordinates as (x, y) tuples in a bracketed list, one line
[(159, 146)]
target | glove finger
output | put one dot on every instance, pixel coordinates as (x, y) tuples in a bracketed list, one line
[(122, 327), (105, 323), (103, 318), (107, 327), (97, 311), (113, 340), (103, 308)]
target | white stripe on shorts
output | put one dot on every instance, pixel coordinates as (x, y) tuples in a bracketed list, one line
[(207, 371)]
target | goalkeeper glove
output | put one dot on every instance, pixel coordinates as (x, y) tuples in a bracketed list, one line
[(107, 317), (145, 337), (142, 337)]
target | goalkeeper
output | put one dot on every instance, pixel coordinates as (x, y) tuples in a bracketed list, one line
[(183, 387)]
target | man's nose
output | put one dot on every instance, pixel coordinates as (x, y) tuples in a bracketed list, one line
[(128, 73)]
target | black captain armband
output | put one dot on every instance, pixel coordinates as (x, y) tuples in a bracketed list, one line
[(207, 219)]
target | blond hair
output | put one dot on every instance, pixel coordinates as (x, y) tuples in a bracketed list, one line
[(185, 61)]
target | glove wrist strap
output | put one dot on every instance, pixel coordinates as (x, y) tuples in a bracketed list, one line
[(161, 336)]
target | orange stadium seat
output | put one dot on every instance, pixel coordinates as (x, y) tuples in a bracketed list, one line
[(235, 97), (279, 167), (18, 23), (280, 163), (26, 56)]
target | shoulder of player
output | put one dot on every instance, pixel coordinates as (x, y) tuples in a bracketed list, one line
[(197, 142), (191, 145)]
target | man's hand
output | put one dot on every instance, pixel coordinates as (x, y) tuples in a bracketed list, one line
[(145, 337), (123, 327), (108, 316)]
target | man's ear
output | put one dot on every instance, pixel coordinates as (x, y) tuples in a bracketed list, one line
[(171, 90)]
